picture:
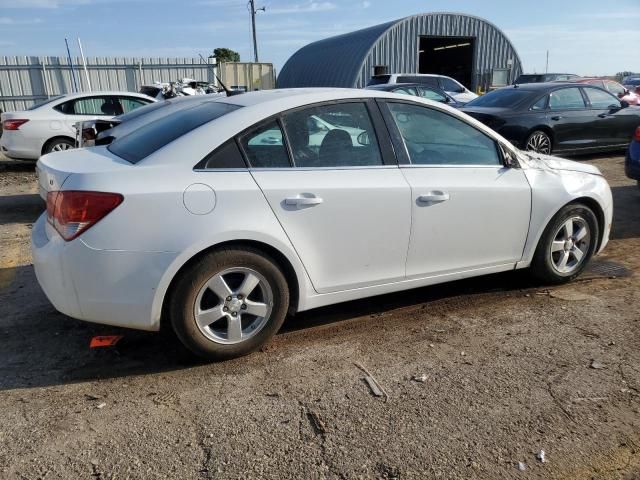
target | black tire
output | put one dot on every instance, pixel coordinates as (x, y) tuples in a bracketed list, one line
[(543, 266), (193, 280), (536, 139), (58, 144)]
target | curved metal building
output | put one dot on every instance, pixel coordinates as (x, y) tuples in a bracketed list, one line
[(468, 48)]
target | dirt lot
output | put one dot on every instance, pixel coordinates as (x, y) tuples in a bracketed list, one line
[(504, 369)]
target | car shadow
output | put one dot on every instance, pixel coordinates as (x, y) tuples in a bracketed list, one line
[(626, 214), (21, 208), (41, 347)]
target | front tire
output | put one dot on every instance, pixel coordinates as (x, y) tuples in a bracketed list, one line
[(567, 245), (229, 303), (539, 142)]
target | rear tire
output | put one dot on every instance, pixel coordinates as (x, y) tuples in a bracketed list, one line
[(229, 303), (567, 245), (59, 145), (539, 142)]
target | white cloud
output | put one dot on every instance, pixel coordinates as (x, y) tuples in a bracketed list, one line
[(307, 7), (15, 21), (40, 3), (574, 49)]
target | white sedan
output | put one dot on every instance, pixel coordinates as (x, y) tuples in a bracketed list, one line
[(49, 126), (194, 222)]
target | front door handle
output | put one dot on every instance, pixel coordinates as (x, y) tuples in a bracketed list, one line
[(556, 118), (302, 201), (436, 196), (604, 115)]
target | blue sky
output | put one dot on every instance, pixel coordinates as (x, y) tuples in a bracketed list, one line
[(583, 36)]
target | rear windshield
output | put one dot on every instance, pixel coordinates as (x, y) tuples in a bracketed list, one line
[(504, 97), (147, 139), (44, 102), (138, 112), (379, 79)]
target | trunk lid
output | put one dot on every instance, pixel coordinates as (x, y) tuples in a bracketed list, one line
[(54, 169)]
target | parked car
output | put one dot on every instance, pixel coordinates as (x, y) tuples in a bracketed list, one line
[(632, 84), (454, 88), (550, 118), (49, 126), (613, 87), (190, 223), (544, 77), (418, 90), (632, 159), (104, 131)]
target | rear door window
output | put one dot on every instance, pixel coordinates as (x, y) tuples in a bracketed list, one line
[(264, 146), (129, 104), (566, 99), (152, 136), (326, 136)]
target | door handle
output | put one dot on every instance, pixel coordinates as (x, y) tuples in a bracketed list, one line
[(603, 115), (436, 196), (557, 117), (301, 201)]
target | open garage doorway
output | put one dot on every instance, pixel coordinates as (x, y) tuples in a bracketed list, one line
[(451, 56)]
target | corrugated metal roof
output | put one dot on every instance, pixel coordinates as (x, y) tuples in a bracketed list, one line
[(347, 60)]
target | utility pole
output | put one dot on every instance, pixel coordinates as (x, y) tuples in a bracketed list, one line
[(252, 8), (546, 68)]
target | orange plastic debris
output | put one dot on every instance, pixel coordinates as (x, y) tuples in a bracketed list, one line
[(105, 341)]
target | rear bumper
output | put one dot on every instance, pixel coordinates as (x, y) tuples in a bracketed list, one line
[(101, 286), (14, 145), (632, 161)]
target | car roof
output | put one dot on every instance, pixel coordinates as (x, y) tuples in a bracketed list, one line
[(545, 85), (390, 86)]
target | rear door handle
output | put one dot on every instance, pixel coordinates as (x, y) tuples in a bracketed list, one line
[(301, 201), (436, 196), (557, 117)]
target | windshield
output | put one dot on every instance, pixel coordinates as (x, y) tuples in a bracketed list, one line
[(379, 79), (153, 136), (44, 102), (504, 97)]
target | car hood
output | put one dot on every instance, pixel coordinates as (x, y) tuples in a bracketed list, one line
[(539, 161)]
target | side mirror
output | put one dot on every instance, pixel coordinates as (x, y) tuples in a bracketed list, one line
[(508, 158), (624, 104), (363, 138)]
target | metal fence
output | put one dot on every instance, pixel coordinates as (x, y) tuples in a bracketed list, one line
[(25, 80)]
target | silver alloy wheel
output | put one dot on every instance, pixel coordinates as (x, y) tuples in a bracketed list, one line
[(539, 142), (570, 245), (233, 305), (60, 147)]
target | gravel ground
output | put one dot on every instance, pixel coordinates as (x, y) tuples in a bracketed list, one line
[(479, 375)]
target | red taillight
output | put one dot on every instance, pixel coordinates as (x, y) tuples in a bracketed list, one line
[(13, 124), (71, 212), (636, 137)]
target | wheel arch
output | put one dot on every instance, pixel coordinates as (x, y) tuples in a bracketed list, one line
[(597, 209), (46, 144), (276, 254), (543, 128)]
